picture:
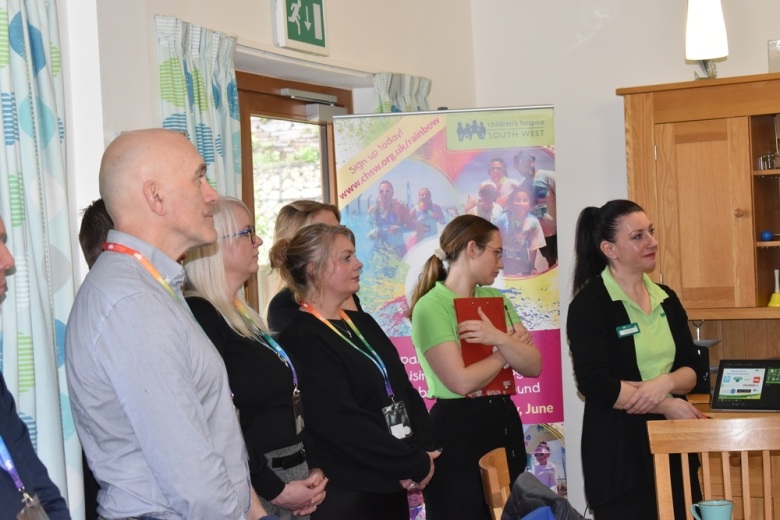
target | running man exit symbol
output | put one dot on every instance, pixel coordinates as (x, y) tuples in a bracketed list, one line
[(300, 25)]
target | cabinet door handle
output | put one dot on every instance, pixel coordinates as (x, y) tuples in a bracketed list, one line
[(739, 212)]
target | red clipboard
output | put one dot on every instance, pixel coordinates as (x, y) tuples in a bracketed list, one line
[(493, 307)]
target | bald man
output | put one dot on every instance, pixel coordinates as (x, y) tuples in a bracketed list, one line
[(149, 392)]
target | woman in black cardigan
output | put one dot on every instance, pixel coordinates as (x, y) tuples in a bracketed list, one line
[(633, 357), (263, 376), (353, 384)]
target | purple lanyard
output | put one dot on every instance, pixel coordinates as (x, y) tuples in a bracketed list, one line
[(371, 354), (266, 340), (8, 465)]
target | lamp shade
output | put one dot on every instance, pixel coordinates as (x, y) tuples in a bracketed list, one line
[(705, 31)]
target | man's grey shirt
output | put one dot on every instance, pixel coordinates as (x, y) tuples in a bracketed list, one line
[(150, 395)]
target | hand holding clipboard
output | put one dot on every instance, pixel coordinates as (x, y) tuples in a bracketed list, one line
[(472, 349)]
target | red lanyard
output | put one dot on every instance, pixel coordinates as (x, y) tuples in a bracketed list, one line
[(119, 248)]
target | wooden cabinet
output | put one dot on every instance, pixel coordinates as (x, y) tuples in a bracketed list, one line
[(693, 151), (704, 227)]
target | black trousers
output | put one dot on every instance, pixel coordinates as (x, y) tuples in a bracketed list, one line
[(344, 503), (466, 429)]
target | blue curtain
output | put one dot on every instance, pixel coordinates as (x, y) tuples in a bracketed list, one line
[(34, 206), (199, 97), (401, 92)]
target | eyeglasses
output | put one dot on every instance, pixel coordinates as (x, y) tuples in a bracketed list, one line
[(496, 251), (541, 454), (248, 231), (491, 168)]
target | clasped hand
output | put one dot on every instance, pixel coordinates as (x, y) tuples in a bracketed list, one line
[(482, 331), (648, 395), (654, 396), (303, 496), (409, 484)]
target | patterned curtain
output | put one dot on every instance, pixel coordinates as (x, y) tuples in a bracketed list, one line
[(34, 206), (199, 97), (401, 92)]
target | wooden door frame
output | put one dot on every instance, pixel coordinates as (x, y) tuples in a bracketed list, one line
[(261, 95)]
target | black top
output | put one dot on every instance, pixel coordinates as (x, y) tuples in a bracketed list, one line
[(262, 389), (615, 446), (31, 470), (343, 397), (283, 307)]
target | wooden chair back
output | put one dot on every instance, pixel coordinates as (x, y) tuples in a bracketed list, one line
[(495, 480), (725, 442)]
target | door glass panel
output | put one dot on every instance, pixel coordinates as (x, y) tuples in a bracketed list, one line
[(287, 166)]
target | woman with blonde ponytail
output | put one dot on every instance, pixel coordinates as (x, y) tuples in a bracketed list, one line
[(291, 218), (467, 426)]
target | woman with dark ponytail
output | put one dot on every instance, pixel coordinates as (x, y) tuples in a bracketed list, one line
[(467, 426), (633, 358)]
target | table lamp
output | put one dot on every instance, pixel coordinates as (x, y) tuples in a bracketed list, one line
[(705, 35), (774, 300)]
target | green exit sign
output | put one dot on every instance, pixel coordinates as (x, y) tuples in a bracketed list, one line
[(300, 25)]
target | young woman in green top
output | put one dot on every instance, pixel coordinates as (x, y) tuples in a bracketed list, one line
[(466, 428)]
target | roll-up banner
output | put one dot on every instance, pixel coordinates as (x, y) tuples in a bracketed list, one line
[(401, 177)]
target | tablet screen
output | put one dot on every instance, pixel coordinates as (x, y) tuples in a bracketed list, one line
[(750, 385)]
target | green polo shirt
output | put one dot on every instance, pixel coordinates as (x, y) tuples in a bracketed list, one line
[(654, 342), (434, 322)]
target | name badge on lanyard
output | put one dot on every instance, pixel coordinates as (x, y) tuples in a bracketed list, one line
[(398, 420), (396, 417), (297, 411), (32, 510), (31, 506)]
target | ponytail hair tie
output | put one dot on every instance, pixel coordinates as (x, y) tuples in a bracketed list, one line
[(440, 254)]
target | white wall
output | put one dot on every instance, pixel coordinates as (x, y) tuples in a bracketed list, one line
[(573, 55), (400, 36), (83, 108), (120, 87)]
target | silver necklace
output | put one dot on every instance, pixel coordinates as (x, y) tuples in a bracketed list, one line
[(341, 326)]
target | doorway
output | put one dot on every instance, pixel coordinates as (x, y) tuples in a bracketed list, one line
[(285, 157)]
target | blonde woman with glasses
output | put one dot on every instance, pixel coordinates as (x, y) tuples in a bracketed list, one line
[(263, 375)]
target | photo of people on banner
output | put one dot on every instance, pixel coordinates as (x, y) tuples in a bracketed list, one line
[(401, 178)]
